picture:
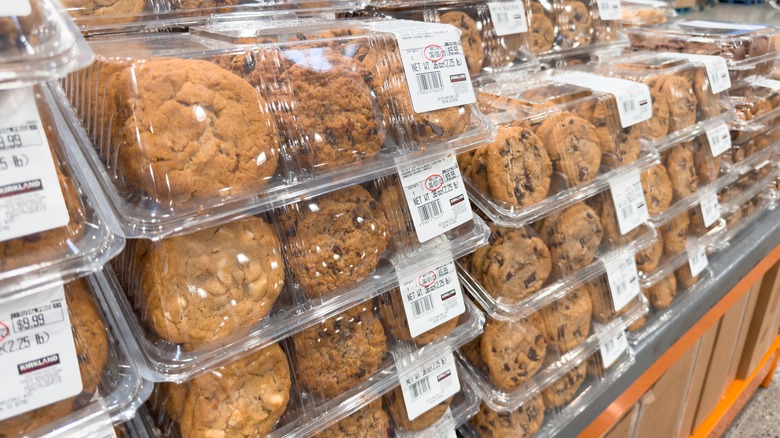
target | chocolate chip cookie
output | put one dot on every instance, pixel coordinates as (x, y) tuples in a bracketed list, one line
[(575, 23), (682, 171), (603, 310), (662, 293), (682, 101), (370, 421), (122, 10), (513, 351), (658, 125), (336, 239), (707, 166), (684, 277), (647, 260), (394, 400), (657, 188), (470, 38), (564, 389), (541, 30), (518, 168), (516, 265), (566, 322), (522, 422), (675, 234), (572, 145), (478, 170), (391, 309), (340, 352), (573, 237)]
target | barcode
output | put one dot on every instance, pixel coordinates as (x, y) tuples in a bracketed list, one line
[(423, 305), (429, 81), (420, 388), (620, 288), (629, 106), (627, 210), (430, 210), (501, 18)]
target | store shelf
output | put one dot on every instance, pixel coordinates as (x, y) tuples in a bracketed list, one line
[(735, 270)]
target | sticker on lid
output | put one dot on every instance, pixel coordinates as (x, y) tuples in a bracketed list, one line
[(710, 208), (436, 196), (30, 194), (429, 384), (719, 139), (38, 358), (609, 9), (431, 296), (508, 17), (633, 98), (612, 348), (629, 200), (766, 83), (731, 28), (623, 279), (434, 64), (716, 67), (15, 8), (697, 260)]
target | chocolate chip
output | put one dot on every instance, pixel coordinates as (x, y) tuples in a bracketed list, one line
[(531, 279), (532, 354)]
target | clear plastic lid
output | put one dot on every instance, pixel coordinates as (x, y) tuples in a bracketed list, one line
[(293, 109), (303, 385), (751, 143), (55, 228), (39, 43), (743, 200), (93, 382), (757, 102), (557, 143), (645, 12)]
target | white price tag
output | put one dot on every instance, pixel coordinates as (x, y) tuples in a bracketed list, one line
[(30, 195), (38, 359), (697, 260), (434, 64), (719, 139), (429, 384), (766, 83), (15, 8), (761, 165), (431, 297), (609, 9), (722, 25), (629, 200), (436, 197), (716, 67), (710, 208), (623, 280), (633, 98), (612, 349), (508, 17), (451, 434)]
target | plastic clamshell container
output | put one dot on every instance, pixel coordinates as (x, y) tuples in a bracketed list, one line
[(91, 236), (758, 107), (553, 256), (40, 43), (645, 12), (759, 154), (486, 51), (565, 143), (263, 278), (112, 385), (749, 49), (683, 103), (317, 385), (751, 143), (544, 415), (281, 101)]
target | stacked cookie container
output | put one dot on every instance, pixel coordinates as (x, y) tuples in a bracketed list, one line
[(261, 169), (66, 368)]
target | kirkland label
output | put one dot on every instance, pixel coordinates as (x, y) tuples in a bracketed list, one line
[(612, 348), (508, 18), (431, 297), (629, 200), (710, 208), (609, 9), (15, 8), (697, 260), (623, 279), (719, 139), (429, 384), (633, 98), (716, 67)]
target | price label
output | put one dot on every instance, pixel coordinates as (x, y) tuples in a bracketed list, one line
[(715, 66), (429, 384), (719, 139), (30, 195), (431, 297), (38, 359), (612, 348), (710, 208), (697, 260), (633, 98), (15, 8), (609, 9), (508, 17), (629, 200), (434, 64), (451, 434), (729, 28), (766, 83), (436, 196), (623, 280)]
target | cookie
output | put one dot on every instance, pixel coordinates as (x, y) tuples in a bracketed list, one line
[(201, 4), (394, 400), (244, 398), (658, 125), (501, 51), (707, 166), (573, 237), (516, 265), (340, 352), (575, 23), (662, 293), (682, 101), (470, 38), (658, 189), (603, 311), (203, 286), (682, 171), (393, 202), (572, 145), (513, 351), (391, 309), (522, 422), (684, 277), (630, 147), (122, 10), (478, 170), (370, 421), (518, 168), (647, 260), (566, 322), (336, 239), (609, 222), (675, 234), (541, 33), (179, 124), (564, 389)]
